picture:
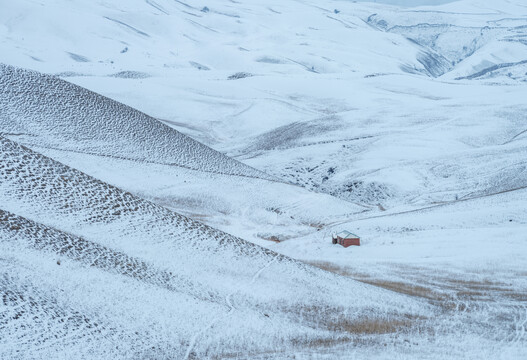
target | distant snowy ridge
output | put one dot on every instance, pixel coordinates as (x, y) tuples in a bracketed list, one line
[(473, 38)]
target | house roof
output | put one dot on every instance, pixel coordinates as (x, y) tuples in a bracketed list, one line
[(347, 235)]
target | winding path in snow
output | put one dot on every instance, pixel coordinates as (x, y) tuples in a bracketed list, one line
[(446, 203)]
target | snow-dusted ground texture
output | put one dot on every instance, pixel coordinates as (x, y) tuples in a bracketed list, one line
[(46, 111), (136, 136), (153, 274)]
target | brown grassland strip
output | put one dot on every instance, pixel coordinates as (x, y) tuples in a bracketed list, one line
[(443, 291)]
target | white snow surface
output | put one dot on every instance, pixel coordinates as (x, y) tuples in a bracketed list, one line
[(46, 111), (401, 121), (77, 227)]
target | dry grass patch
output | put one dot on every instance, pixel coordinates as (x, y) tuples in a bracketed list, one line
[(449, 293), (444, 300), (405, 288), (337, 320), (335, 269), (375, 326), (320, 342), (272, 238), (400, 287)]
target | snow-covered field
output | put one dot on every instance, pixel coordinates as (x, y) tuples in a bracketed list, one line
[(171, 174)]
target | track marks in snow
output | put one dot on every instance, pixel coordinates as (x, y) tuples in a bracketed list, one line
[(520, 325), (515, 137), (21, 233), (54, 324), (434, 206), (202, 26), (125, 25), (491, 69), (157, 6), (228, 301), (346, 25), (78, 58)]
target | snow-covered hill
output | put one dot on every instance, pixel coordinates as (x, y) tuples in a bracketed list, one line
[(405, 125), (127, 148), (45, 111), (139, 39), (479, 39), (81, 229)]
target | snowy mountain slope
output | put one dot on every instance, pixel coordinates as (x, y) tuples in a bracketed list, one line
[(480, 232), (316, 116), (443, 140), (427, 168), (93, 38), (47, 192), (22, 234), (43, 110), (350, 118), (99, 207), (166, 45), (274, 107), (474, 36), (58, 303), (253, 209), (91, 138), (468, 256)]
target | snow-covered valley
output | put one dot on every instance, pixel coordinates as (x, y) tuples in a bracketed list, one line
[(171, 174)]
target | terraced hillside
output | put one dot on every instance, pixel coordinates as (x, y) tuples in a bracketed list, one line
[(109, 140), (82, 228), (122, 237), (43, 110)]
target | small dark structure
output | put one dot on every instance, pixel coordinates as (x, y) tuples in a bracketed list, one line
[(345, 238)]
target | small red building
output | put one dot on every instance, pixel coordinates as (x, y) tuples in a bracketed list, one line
[(345, 238)]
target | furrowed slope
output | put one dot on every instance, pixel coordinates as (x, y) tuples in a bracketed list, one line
[(65, 297), (135, 152), (240, 287), (32, 185), (22, 234), (44, 319), (43, 110)]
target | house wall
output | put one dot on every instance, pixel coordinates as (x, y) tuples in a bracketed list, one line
[(349, 242)]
